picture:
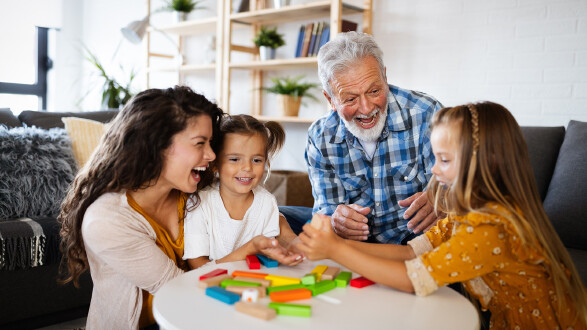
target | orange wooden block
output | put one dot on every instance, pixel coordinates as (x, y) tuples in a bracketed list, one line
[(248, 274), (261, 281), (212, 281), (256, 309), (289, 295)]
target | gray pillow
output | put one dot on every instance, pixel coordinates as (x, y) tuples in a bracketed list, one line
[(8, 119), (36, 168), (46, 120), (566, 200), (543, 146)]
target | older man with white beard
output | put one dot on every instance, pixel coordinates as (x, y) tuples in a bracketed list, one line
[(370, 157)]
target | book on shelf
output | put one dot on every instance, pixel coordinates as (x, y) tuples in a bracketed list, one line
[(316, 45), (348, 26), (300, 41), (307, 37), (325, 36), (313, 39)]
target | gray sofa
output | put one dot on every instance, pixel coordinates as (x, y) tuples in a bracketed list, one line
[(30, 296)]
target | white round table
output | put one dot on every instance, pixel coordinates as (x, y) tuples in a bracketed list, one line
[(180, 304)]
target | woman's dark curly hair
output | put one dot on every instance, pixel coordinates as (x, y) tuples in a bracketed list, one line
[(129, 157)]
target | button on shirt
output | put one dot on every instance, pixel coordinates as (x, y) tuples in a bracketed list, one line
[(342, 173)]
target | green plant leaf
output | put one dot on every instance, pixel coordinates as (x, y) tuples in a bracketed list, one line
[(291, 86), (185, 6), (269, 38)]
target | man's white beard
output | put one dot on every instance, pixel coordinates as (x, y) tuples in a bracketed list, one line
[(367, 134)]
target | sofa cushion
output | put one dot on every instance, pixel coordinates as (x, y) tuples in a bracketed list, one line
[(543, 146), (36, 168), (8, 119), (85, 135), (43, 119), (566, 199)]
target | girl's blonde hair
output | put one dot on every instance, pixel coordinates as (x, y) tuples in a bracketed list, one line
[(271, 132), (495, 167)]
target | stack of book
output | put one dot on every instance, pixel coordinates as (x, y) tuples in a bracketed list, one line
[(314, 35)]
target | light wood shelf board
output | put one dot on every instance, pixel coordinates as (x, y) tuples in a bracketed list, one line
[(304, 11)]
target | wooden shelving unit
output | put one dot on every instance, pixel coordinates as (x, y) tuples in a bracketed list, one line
[(255, 18)]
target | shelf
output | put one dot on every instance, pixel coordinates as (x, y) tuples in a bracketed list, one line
[(278, 64), (305, 11), (188, 68), (287, 119), (199, 26)]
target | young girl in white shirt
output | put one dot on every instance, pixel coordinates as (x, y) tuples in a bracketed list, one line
[(236, 208)]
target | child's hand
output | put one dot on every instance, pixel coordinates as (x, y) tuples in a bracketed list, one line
[(271, 248), (319, 240)]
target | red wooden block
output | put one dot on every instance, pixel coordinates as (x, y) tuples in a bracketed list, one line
[(253, 262), (361, 282), (289, 295), (214, 273)]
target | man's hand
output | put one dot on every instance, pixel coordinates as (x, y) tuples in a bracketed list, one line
[(349, 221), (422, 210)]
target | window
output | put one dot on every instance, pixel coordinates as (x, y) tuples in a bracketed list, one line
[(23, 80)]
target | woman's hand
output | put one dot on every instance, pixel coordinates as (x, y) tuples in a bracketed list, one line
[(319, 240), (271, 248)]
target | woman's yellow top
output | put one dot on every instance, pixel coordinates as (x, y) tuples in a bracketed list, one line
[(485, 253), (173, 249)]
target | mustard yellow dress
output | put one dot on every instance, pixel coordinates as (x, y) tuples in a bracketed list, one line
[(485, 254), (172, 248)]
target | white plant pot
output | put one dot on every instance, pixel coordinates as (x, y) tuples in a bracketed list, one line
[(280, 3), (266, 53), (181, 16)]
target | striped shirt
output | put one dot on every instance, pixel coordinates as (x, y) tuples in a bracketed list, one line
[(341, 172)]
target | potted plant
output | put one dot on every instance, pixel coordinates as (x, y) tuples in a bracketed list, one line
[(183, 7), (268, 40), (289, 93)]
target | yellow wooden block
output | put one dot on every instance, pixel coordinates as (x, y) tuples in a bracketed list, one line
[(319, 270), (277, 280)]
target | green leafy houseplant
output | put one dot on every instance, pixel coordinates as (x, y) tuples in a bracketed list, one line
[(185, 6), (268, 37), (289, 93), (114, 94)]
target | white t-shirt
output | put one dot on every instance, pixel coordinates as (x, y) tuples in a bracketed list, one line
[(209, 230)]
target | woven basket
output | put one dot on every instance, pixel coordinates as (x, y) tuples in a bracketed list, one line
[(288, 105)]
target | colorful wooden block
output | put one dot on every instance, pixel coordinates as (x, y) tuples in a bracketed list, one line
[(267, 262), (256, 309), (219, 293), (216, 272), (277, 280), (228, 282), (240, 289), (361, 282), (321, 287), (262, 281), (290, 295), (309, 279), (243, 273), (291, 309), (285, 287), (213, 281), (318, 270), (249, 295), (330, 273), (342, 279), (253, 262)]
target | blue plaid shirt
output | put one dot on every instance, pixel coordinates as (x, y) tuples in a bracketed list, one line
[(341, 173)]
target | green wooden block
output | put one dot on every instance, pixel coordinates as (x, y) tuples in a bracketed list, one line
[(343, 279), (291, 309), (228, 282), (285, 287), (323, 286), (309, 279)]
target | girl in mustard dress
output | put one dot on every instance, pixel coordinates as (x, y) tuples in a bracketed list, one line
[(495, 238)]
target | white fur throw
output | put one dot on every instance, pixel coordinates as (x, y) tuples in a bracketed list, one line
[(36, 169)]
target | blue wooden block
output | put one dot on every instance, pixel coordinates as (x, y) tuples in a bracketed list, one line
[(267, 262), (222, 295)]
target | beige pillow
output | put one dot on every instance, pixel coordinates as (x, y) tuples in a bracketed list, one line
[(85, 135)]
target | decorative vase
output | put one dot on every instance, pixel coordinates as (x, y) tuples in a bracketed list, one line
[(280, 3), (181, 16), (266, 53), (288, 105)]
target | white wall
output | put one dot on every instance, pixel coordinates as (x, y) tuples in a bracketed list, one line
[(529, 55)]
